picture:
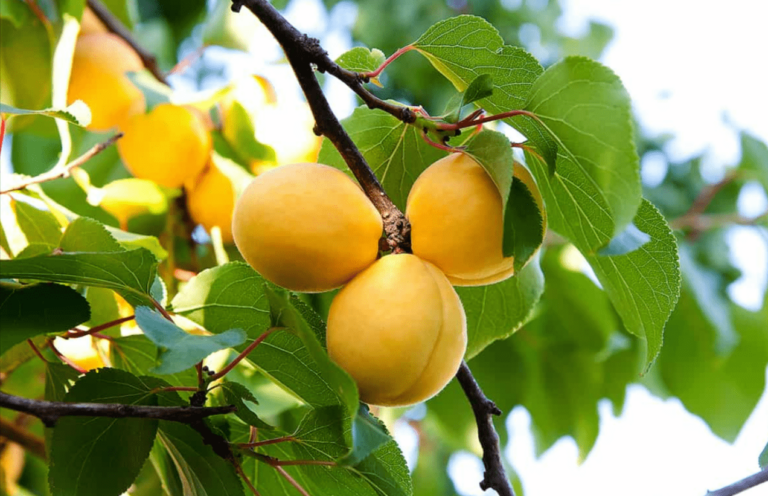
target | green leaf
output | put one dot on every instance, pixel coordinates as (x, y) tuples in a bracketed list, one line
[(138, 355), (630, 239), (763, 459), (78, 113), (233, 295), (237, 394), (497, 311), (129, 241), (85, 460), (227, 29), (721, 389), (26, 55), (182, 350), (596, 190), (395, 151), (754, 158), (361, 59), (59, 378), (229, 294), (480, 87), (29, 311), (368, 434), (491, 150), (38, 226), (95, 259), (523, 224), (644, 284), (465, 47), (287, 311), (239, 132), (15, 11)]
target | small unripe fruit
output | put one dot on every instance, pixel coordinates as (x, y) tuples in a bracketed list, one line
[(169, 145), (211, 201), (98, 78), (456, 216), (399, 330), (307, 227)]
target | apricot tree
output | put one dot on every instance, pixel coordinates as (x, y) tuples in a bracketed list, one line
[(197, 312)]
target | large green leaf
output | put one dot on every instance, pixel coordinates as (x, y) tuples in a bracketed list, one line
[(138, 355), (38, 226), (237, 394), (498, 310), (85, 459), (644, 284), (721, 389), (596, 190), (96, 259), (395, 151), (233, 295), (181, 350), (28, 311), (466, 47)]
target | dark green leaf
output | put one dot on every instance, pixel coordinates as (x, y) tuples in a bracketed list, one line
[(237, 394), (138, 355), (596, 190), (96, 260), (368, 434), (181, 350), (644, 284), (58, 380), (496, 311), (480, 87), (28, 311), (491, 150), (101, 456), (395, 151), (523, 224)]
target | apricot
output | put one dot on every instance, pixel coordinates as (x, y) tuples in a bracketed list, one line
[(456, 216), (211, 200), (170, 145), (98, 78), (90, 24), (307, 227), (399, 329)]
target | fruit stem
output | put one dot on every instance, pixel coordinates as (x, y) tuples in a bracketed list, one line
[(446, 126), (369, 75)]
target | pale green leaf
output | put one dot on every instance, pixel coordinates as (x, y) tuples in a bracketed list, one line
[(361, 59), (78, 113)]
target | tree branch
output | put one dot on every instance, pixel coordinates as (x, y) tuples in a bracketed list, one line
[(484, 410), (742, 485), (51, 411), (115, 26), (22, 437), (57, 173), (304, 53)]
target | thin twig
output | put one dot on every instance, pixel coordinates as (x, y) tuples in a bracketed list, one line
[(77, 333), (742, 485), (115, 26), (244, 353), (484, 410), (22, 437), (51, 411), (57, 173), (291, 480)]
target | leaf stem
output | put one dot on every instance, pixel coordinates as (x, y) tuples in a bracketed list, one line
[(37, 351), (256, 444), (57, 172), (291, 480), (390, 59), (64, 359), (244, 353), (78, 333), (248, 482), (162, 310), (2, 132), (447, 126)]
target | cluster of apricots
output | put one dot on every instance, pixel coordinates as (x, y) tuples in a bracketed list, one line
[(397, 326), (169, 146)]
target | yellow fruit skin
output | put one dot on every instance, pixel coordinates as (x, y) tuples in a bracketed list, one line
[(399, 330), (456, 219), (307, 227), (211, 201), (90, 24), (169, 145), (98, 78)]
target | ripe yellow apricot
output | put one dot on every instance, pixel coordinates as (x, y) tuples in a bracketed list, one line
[(399, 329), (307, 227), (211, 200), (170, 145), (98, 78), (90, 24), (456, 216)]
